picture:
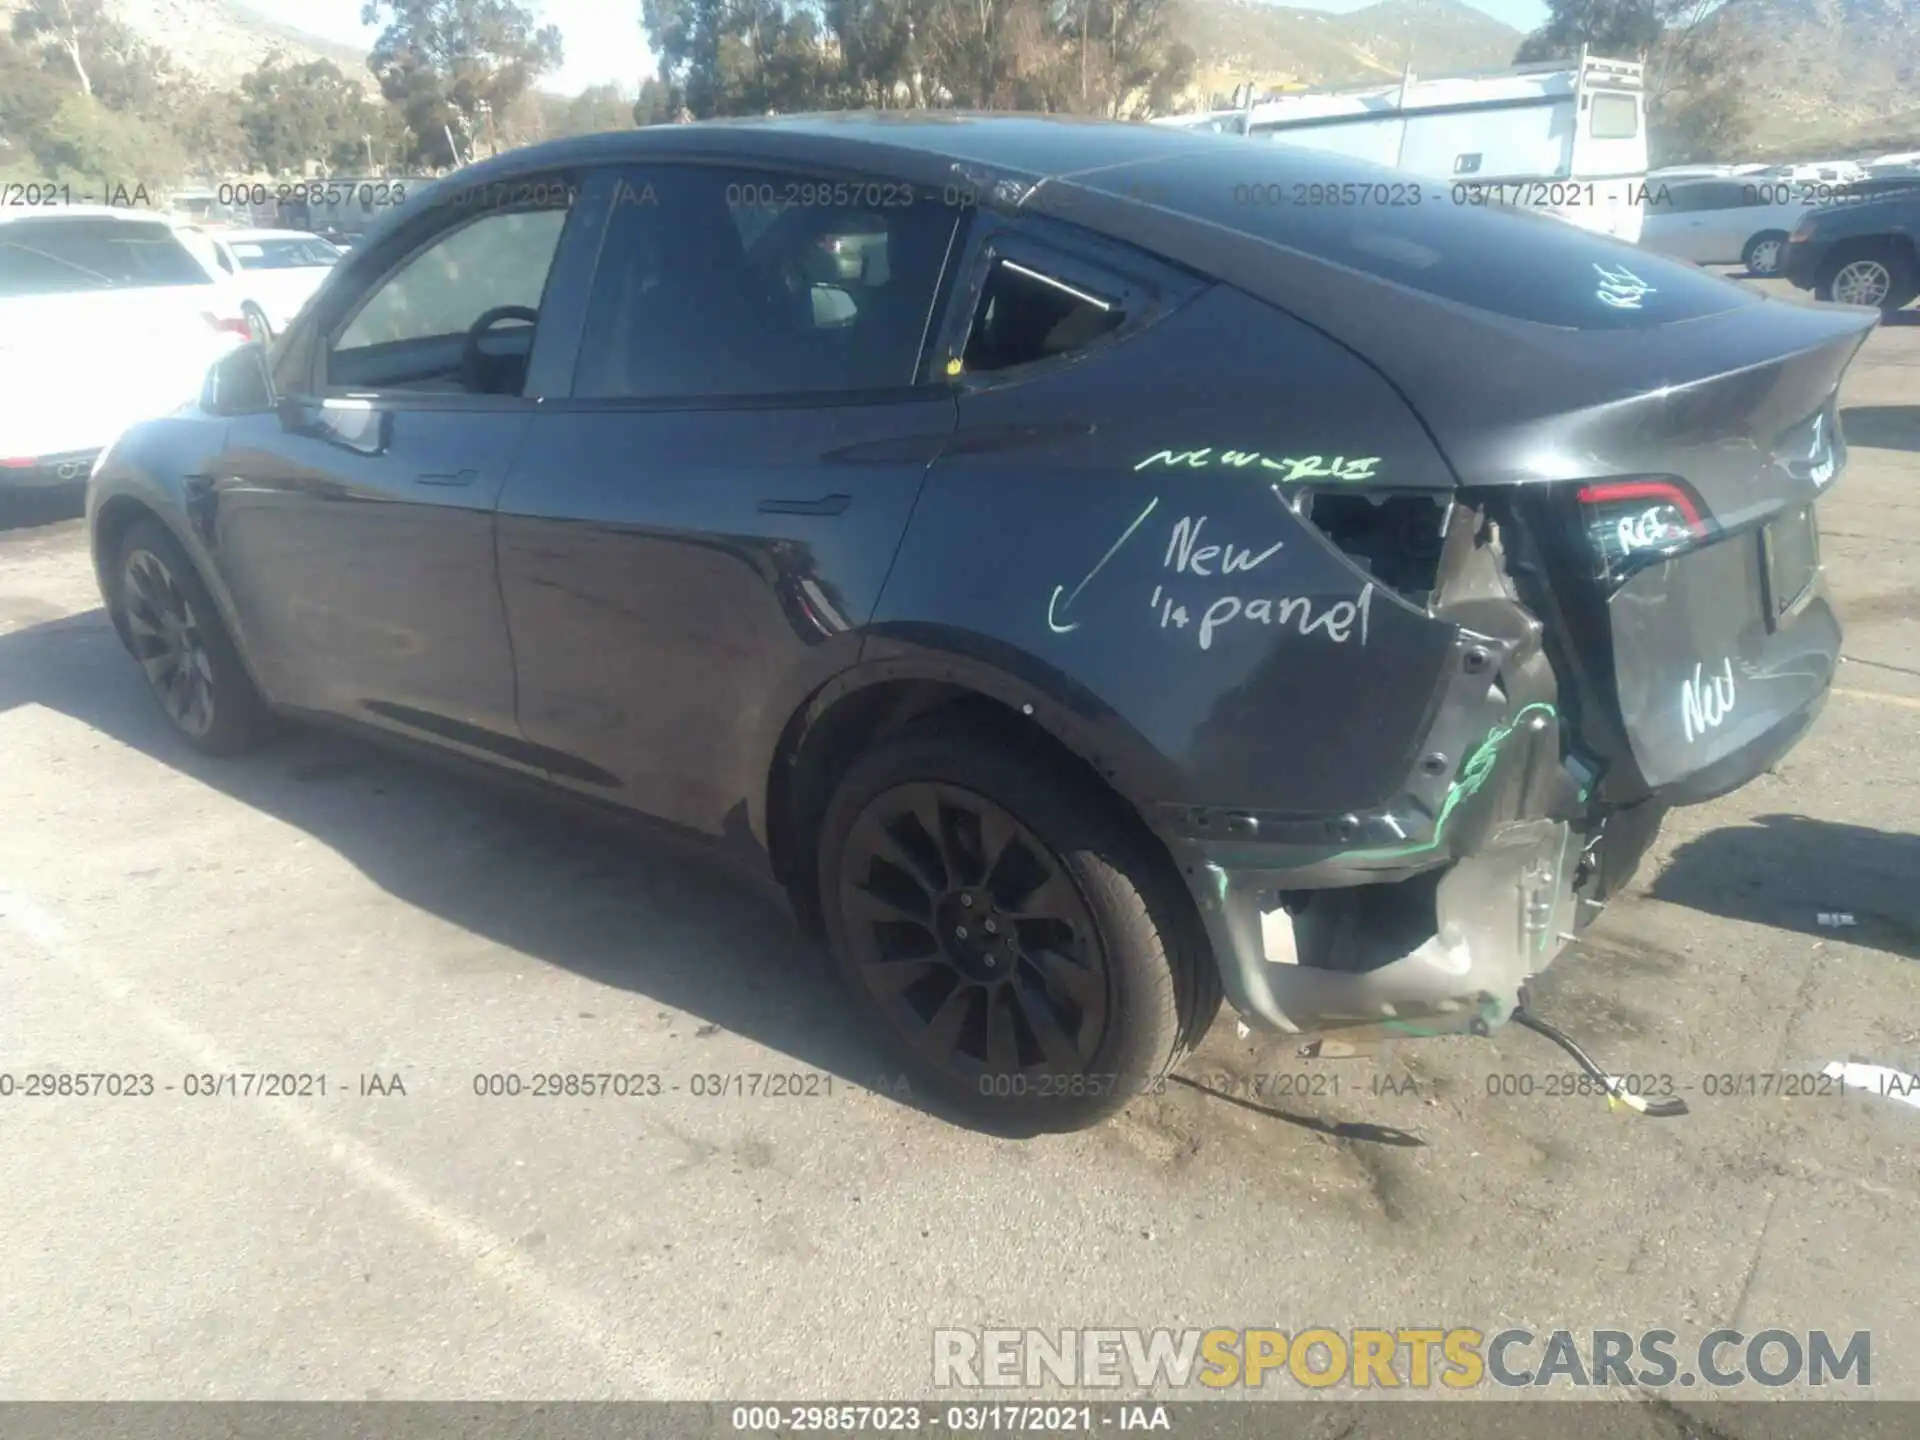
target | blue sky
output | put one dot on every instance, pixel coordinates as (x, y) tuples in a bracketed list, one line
[(604, 40)]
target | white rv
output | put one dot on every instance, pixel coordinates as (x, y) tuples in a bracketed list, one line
[(1566, 136)]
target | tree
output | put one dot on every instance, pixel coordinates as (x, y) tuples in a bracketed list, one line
[(208, 125), (1697, 82), (597, 108), (1617, 29), (65, 28), (993, 54), (1128, 63), (134, 77), (740, 57), (733, 57), (106, 59), (87, 143), (441, 61), (29, 98), (880, 52), (1695, 52), (297, 115), (659, 103)]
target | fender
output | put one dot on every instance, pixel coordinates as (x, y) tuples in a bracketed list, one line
[(156, 465)]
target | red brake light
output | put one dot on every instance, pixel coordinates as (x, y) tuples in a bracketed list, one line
[(24, 462), (1626, 519), (233, 324)]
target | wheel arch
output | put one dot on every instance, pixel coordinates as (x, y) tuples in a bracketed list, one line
[(861, 707), (1753, 241), (112, 522), (1886, 242), (114, 514)]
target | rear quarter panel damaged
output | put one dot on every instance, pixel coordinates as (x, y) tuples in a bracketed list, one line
[(1126, 521)]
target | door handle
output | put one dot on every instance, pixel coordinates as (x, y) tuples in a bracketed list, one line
[(825, 505), (458, 477)]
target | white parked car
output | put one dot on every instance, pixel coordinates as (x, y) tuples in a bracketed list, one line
[(1837, 171), (276, 272), (1726, 220), (107, 316), (1905, 162)]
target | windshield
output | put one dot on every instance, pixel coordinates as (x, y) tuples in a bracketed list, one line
[(58, 256), (283, 254)]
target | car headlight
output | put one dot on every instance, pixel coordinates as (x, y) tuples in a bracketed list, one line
[(1804, 230)]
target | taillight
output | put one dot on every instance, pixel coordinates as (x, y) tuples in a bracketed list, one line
[(228, 324), (1628, 521), (23, 462)]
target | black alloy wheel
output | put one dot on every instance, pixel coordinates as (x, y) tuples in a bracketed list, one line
[(172, 627), (168, 642), (1030, 957), (971, 937)]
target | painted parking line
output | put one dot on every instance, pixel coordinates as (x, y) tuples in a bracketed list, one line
[(1905, 702), (635, 1370)]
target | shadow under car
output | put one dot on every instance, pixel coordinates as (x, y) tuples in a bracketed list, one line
[(1833, 881)]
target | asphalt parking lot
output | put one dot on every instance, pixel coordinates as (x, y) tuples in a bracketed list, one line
[(324, 909)]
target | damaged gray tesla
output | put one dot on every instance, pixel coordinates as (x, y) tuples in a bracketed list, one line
[(1085, 592)]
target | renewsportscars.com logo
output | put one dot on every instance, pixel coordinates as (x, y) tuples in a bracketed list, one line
[(1402, 1357)]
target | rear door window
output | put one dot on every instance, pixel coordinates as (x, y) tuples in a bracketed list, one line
[(1027, 315), (716, 282), (62, 256)]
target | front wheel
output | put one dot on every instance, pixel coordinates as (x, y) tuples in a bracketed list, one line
[(1882, 278), (1765, 253), (174, 631), (1031, 962)]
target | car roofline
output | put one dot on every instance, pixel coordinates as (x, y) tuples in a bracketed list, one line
[(244, 235), (905, 143), (89, 212)]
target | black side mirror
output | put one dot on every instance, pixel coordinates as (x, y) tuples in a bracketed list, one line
[(239, 383)]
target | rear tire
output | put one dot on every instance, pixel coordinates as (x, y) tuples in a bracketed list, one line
[(174, 630), (1873, 274), (1765, 253), (1030, 961)]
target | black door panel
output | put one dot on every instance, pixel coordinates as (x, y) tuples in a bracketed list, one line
[(690, 542), (362, 578), (355, 527), (676, 583)]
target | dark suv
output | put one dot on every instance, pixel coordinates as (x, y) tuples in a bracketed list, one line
[(1862, 250), (1081, 590)]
